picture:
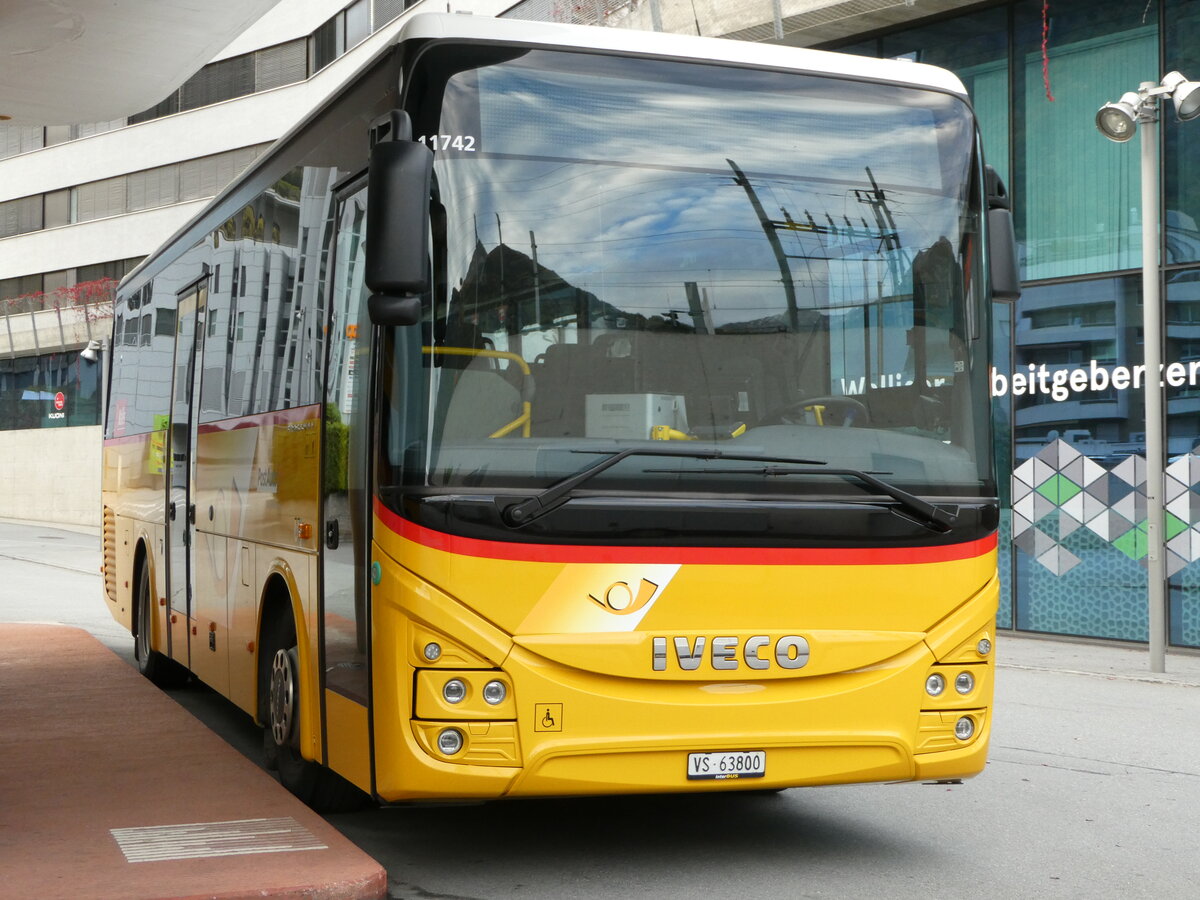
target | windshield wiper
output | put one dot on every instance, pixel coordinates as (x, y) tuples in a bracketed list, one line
[(520, 514), (926, 513)]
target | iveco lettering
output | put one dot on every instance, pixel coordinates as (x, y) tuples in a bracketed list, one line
[(562, 411)]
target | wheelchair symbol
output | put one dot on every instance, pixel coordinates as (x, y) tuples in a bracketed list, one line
[(548, 717)]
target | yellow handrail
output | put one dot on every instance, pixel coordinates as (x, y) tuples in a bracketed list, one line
[(522, 421)]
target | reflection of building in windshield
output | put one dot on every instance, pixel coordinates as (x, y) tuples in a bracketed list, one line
[(523, 331)]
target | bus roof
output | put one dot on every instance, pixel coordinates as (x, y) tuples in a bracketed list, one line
[(663, 44), (458, 26)]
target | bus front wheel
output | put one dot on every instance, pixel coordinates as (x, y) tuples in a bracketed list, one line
[(319, 787)]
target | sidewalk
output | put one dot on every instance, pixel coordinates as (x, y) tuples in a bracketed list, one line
[(112, 790), (1130, 663)]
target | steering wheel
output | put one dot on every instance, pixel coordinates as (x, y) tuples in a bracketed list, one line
[(853, 412)]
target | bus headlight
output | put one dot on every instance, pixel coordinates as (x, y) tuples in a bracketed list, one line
[(494, 692), (964, 683), (449, 741), (433, 651), (935, 684), (454, 691), (964, 728)]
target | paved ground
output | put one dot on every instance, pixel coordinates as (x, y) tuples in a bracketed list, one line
[(1092, 791), (111, 789)]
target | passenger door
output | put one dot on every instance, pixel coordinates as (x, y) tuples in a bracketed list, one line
[(181, 508), (345, 496)]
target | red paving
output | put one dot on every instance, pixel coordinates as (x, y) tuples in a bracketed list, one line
[(88, 746)]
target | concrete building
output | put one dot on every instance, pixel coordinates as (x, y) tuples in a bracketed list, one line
[(81, 205)]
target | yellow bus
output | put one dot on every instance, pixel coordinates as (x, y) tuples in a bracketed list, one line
[(563, 411)]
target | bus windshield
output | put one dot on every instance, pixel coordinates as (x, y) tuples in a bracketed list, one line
[(627, 250)]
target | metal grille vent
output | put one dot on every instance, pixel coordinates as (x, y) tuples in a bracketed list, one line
[(110, 554)]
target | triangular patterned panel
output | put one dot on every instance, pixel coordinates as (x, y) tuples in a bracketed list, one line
[(1129, 470), (1024, 473), (1193, 468), (1117, 489), (1174, 563), (1042, 507), (1020, 524), (1067, 525), (1102, 524), (1091, 471), (1059, 560), (1041, 471), (1024, 506), (1066, 454), (1092, 507), (1127, 507), (1050, 453), (1179, 470), (1042, 542), (1074, 508), (1173, 487), (1026, 540), (1019, 489), (1117, 525), (1181, 506), (1074, 469), (1181, 544)]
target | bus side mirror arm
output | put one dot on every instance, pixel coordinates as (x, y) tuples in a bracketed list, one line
[(397, 245), (1002, 241)]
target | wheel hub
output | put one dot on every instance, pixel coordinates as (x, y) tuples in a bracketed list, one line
[(283, 697)]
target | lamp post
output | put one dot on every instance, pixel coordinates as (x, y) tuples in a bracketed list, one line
[(1118, 121)]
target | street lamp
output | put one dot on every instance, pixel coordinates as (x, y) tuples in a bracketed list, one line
[(1118, 121)]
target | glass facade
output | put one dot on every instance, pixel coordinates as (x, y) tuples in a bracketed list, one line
[(1068, 379)]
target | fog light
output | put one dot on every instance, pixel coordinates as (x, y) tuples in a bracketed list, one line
[(454, 691), (934, 685), (433, 651), (984, 647), (494, 692), (450, 741), (964, 683), (964, 728)]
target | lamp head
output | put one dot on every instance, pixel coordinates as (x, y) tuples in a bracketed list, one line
[(1117, 121), (1184, 94)]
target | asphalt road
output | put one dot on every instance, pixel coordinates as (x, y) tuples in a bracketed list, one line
[(1092, 790)]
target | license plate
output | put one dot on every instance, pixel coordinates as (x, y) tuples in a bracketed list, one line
[(727, 764)]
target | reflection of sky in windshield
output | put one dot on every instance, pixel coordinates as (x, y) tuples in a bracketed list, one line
[(628, 188)]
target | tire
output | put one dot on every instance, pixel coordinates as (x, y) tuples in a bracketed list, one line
[(280, 688), (163, 671)]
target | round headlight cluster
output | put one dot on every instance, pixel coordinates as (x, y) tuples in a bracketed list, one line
[(964, 683), (449, 741), (964, 728), (495, 692), (935, 684), (454, 691), (433, 651)]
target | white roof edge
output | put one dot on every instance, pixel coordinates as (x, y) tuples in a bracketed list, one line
[(651, 43)]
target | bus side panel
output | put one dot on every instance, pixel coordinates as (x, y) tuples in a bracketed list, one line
[(210, 611), (132, 488), (243, 626)]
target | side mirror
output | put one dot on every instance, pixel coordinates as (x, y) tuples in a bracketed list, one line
[(397, 245), (1002, 240), (387, 310)]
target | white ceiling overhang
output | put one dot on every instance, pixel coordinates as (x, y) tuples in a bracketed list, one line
[(67, 61)]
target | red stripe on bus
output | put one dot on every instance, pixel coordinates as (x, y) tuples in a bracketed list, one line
[(719, 556)]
